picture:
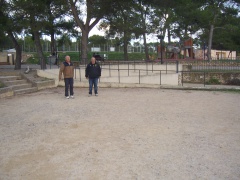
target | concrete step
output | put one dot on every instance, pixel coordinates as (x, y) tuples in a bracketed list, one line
[(20, 86), (15, 82), (4, 63), (10, 78), (25, 91)]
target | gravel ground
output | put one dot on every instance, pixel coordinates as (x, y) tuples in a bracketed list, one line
[(121, 134)]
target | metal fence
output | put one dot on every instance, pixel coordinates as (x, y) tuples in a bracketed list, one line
[(205, 73), (205, 65)]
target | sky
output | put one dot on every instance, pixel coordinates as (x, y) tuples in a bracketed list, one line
[(150, 38)]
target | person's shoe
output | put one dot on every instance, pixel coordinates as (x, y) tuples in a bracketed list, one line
[(72, 97), (67, 97), (89, 95), (96, 94)]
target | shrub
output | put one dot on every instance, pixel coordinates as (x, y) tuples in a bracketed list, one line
[(213, 81), (32, 60), (234, 81), (1, 85)]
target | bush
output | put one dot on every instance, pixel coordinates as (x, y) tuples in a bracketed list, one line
[(213, 81), (234, 81), (32, 60), (1, 85)]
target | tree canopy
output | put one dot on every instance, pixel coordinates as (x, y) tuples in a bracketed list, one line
[(211, 22)]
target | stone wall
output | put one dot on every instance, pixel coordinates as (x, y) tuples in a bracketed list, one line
[(198, 77)]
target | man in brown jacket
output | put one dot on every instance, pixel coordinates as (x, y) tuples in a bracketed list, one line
[(67, 69)]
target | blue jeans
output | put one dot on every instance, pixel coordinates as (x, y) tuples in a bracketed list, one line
[(93, 81), (68, 83)]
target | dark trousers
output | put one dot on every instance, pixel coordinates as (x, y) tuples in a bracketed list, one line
[(68, 83), (93, 81)]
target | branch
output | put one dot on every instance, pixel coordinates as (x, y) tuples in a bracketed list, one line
[(75, 14), (219, 28), (94, 23)]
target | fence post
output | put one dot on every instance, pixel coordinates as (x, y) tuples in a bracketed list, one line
[(182, 78), (146, 68), (80, 73), (177, 63), (166, 67), (152, 66), (118, 64), (128, 68), (139, 76), (134, 65), (160, 77), (49, 60), (109, 70), (118, 76), (204, 79)]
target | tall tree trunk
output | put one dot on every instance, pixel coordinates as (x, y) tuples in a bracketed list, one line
[(18, 50), (84, 46), (209, 56), (85, 28), (125, 46), (145, 47), (169, 35), (53, 48), (39, 49)]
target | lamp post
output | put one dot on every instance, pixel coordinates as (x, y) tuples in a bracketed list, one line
[(160, 36)]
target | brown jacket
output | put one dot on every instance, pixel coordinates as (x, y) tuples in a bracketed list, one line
[(67, 70)]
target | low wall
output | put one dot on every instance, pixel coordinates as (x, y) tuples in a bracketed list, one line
[(198, 77)]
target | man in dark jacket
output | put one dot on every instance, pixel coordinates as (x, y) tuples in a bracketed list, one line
[(92, 73), (67, 69)]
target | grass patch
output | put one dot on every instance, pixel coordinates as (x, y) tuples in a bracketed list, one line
[(213, 81), (1, 85), (235, 91)]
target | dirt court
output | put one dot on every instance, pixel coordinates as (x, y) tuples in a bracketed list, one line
[(139, 134)]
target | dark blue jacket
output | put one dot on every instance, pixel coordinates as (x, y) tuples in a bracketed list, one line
[(93, 70)]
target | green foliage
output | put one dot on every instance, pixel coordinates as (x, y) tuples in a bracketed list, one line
[(123, 20), (213, 81), (32, 60), (75, 56), (96, 39), (1, 85)]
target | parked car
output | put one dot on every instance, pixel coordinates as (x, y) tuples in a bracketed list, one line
[(99, 57)]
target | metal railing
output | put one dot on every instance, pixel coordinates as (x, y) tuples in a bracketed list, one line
[(140, 73), (213, 65), (131, 69)]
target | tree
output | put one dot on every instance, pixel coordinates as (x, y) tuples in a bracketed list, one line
[(64, 40), (120, 22), (96, 39), (56, 11), (11, 24), (215, 15), (143, 13), (33, 13), (95, 11)]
